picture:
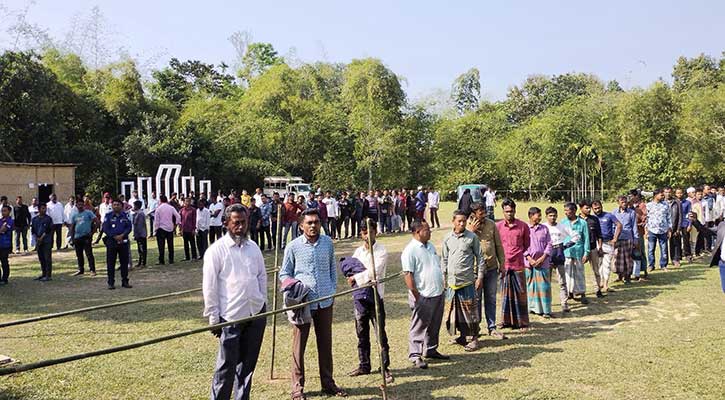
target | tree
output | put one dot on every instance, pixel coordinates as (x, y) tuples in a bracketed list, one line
[(258, 58), (373, 97), (466, 91), (180, 81), (698, 72)]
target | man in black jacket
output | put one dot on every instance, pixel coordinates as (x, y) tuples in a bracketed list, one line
[(22, 224)]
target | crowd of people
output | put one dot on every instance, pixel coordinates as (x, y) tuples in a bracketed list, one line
[(455, 284)]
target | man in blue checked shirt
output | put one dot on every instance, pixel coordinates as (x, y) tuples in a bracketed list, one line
[(658, 228), (310, 258)]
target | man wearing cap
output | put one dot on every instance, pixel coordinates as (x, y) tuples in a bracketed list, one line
[(117, 226)]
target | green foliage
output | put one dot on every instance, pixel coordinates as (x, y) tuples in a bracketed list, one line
[(467, 91)]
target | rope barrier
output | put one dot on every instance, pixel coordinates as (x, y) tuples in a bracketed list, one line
[(48, 363), (104, 306)]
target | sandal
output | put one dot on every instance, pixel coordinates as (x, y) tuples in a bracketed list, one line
[(473, 346), (299, 396)]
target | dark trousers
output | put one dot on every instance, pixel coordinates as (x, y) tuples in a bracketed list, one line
[(254, 235), (346, 222), (21, 233), (332, 221), (151, 225), (264, 232), (202, 242), (355, 225), (275, 234), (364, 316), (239, 347), (215, 233), (58, 232), (165, 239), (489, 213), (675, 247), (409, 217), (45, 258), (83, 245), (425, 325), (322, 319), (434, 218), (4, 264), (114, 251), (142, 246), (189, 244), (685, 237)]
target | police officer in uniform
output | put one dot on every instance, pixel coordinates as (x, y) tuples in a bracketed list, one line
[(117, 226)]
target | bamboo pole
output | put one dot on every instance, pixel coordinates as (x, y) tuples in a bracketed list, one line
[(378, 328), (274, 292)]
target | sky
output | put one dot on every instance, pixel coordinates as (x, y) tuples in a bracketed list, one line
[(427, 43)]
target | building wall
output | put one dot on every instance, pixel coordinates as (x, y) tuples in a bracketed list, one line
[(26, 180)]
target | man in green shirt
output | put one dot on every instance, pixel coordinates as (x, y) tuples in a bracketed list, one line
[(463, 263)]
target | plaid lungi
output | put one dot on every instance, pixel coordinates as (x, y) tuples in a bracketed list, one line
[(514, 302), (623, 261), (538, 285), (462, 312)]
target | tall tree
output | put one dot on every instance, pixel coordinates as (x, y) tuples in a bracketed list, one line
[(466, 91)]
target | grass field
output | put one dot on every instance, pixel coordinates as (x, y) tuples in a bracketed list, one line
[(662, 339)]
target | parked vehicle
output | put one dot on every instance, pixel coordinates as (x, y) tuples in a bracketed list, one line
[(477, 190), (284, 185)]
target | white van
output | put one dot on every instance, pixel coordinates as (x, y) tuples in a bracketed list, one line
[(284, 185)]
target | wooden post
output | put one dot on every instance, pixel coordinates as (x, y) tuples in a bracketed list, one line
[(276, 285), (378, 328)]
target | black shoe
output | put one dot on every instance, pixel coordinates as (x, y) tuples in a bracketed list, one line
[(599, 294), (435, 355), (358, 371), (420, 363), (78, 273), (584, 300), (126, 285), (38, 278), (45, 279), (111, 287)]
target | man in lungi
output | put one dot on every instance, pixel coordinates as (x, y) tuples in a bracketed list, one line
[(609, 229), (463, 264), (627, 241), (515, 238), (538, 274), (576, 255)]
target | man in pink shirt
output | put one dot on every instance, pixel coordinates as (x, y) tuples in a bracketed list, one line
[(166, 219), (515, 239)]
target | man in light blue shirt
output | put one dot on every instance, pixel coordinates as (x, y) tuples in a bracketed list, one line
[(424, 279), (151, 211), (659, 229), (310, 259), (82, 223)]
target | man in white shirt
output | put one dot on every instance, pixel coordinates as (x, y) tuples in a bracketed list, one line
[(151, 212), (434, 200), (490, 199), (235, 287), (216, 209), (333, 211), (365, 310), (55, 212), (258, 197), (33, 210), (134, 197), (104, 208), (558, 234), (203, 219), (68, 211)]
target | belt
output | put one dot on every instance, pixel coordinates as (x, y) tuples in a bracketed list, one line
[(557, 246)]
